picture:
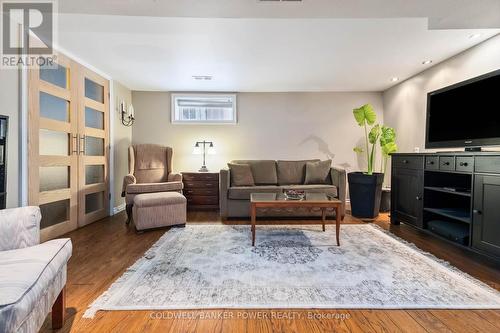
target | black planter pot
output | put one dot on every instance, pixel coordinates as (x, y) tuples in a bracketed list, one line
[(385, 200), (365, 192)]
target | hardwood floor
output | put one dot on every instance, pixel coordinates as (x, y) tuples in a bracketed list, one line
[(104, 250)]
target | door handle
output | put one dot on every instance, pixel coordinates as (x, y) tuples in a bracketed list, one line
[(82, 145), (477, 212), (418, 198), (74, 144)]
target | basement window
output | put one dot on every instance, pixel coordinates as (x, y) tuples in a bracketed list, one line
[(203, 109)]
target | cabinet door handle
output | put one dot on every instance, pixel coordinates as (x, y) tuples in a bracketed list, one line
[(430, 162), (446, 163), (418, 198), (477, 212), (464, 164), (405, 161)]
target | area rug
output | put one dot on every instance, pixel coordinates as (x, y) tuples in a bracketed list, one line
[(215, 266)]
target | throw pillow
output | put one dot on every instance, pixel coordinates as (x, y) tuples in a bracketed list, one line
[(241, 175), (317, 172)]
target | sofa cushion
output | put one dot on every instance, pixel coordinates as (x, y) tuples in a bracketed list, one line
[(292, 172), (26, 274), (327, 189), (158, 199), (241, 175), (263, 171), (243, 192), (318, 172)]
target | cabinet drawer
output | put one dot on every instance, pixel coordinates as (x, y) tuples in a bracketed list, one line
[(201, 191), (465, 163), (200, 184), (432, 162), (202, 200), (200, 176), (409, 162), (447, 163), (487, 164)]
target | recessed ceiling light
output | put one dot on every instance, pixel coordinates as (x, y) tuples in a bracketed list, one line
[(426, 62), (394, 79), (474, 36), (202, 77)]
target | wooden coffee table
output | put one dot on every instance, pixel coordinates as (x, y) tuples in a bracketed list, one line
[(311, 200)]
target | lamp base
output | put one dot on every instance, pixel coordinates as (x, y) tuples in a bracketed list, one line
[(203, 169)]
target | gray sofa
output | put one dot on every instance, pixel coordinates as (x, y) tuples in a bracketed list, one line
[(272, 176)]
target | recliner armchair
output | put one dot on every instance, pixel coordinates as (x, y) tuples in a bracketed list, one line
[(150, 170)]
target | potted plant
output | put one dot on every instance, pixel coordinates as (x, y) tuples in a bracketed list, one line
[(365, 188)]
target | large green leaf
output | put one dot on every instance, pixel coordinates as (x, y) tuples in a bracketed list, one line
[(365, 115), (387, 135), (389, 148), (374, 134)]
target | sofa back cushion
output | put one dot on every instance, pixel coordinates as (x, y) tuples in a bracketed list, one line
[(318, 172), (292, 172), (241, 174), (263, 171), (152, 163)]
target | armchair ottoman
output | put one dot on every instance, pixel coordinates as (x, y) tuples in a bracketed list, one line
[(32, 275), (150, 171)]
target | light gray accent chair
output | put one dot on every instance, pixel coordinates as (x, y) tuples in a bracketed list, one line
[(272, 176), (150, 171), (32, 275)]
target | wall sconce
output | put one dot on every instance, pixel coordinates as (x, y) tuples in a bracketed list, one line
[(127, 116), (198, 150)]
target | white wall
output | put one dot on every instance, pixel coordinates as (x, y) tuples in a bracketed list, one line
[(122, 138), (270, 126), (405, 103), (9, 106)]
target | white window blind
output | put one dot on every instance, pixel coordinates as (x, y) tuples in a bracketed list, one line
[(203, 108)]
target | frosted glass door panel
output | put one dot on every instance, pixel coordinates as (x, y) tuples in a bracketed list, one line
[(54, 178), (57, 76), (53, 107), (94, 118), (94, 91), (54, 213), (54, 143), (94, 202)]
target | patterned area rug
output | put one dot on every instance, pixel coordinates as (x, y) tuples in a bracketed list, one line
[(215, 266)]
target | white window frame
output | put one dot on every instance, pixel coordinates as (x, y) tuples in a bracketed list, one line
[(173, 119)]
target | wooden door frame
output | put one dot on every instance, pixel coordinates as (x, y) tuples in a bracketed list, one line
[(83, 218), (35, 160)]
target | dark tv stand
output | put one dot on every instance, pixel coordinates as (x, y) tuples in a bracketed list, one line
[(454, 196)]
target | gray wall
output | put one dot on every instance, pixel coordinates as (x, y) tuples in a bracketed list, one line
[(405, 103), (9, 106), (270, 126)]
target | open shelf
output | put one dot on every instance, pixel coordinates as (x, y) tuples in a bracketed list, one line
[(459, 214), (444, 190)]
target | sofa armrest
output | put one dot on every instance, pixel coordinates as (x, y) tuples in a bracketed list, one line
[(224, 182), (127, 180), (339, 180), (174, 177), (19, 228)]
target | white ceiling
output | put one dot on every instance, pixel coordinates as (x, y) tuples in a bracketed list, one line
[(158, 53)]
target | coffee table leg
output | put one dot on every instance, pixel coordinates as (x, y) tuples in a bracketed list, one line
[(323, 217), (253, 213), (337, 224)]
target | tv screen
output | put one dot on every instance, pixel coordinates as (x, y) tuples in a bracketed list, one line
[(465, 114)]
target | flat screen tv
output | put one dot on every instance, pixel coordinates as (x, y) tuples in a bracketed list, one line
[(466, 114)]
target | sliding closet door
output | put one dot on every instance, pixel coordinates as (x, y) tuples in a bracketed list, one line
[(93, 201), (52, 147)]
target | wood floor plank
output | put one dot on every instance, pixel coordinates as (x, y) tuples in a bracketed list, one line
[(102, 251)]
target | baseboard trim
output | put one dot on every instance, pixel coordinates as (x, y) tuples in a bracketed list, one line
[(118, 209)]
